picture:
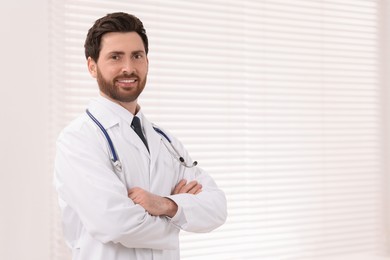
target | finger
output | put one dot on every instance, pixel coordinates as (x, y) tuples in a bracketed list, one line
[(132, 195), (199, 190), (134, 189), (196, 189), (134, 192), (179, 186), (188, 187)]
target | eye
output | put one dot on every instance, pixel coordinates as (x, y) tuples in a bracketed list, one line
[(115, 57), (138, 56)]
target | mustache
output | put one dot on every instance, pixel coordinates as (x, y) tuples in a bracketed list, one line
[(126, 76)]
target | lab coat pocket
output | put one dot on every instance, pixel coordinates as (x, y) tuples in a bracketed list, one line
[(166, 173)]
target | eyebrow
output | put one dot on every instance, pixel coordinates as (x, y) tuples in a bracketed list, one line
[(123, 53), (138, 52), (115, 52)]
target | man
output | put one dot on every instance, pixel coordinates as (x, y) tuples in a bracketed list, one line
[(126, 191)]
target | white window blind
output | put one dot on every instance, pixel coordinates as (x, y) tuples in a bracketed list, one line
[(279, 100)]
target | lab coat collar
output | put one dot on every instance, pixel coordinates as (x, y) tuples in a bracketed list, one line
[(110, 114)]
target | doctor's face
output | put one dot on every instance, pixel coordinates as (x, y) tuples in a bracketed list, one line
[(122, 66)]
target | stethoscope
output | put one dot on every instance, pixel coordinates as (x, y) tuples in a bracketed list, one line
[(114, 157)]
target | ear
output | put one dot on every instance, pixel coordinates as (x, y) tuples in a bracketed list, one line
[(92, 67)]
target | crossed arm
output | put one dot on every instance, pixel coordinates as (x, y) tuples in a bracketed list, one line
[(161, 206)]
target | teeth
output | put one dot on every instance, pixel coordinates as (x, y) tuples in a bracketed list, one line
[(127, 80)]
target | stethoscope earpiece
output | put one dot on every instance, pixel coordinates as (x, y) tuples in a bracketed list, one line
[(179, 158), (176, 155)]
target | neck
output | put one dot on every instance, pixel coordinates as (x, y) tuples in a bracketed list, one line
[(132, 107)]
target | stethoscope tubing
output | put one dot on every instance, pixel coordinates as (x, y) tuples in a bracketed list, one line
[(112, 148), (115, 159)]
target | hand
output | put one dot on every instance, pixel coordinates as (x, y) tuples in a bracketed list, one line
[(193, 187), (155, 205)]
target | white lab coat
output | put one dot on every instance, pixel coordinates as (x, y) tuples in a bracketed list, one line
[(100, 222)]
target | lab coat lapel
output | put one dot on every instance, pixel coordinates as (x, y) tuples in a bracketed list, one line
[(154, 142), (135, 140), (110, 114)]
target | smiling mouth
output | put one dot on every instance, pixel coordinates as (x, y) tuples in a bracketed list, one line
[(126, 81)]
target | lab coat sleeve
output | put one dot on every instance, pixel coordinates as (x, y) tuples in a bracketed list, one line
[(86, 182), (205, 211)]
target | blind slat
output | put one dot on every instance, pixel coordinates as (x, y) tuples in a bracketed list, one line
[(280, 101)]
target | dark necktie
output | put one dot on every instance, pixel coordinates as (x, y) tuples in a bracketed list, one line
[(136, 125)]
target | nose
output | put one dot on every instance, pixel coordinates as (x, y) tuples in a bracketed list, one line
[(128, 67)]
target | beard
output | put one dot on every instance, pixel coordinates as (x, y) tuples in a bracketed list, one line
[(116, 93)]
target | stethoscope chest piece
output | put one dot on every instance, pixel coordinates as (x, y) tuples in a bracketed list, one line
[(117, 165)]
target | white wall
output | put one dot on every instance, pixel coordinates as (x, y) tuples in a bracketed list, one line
[(25, 189), (24, 140), (385, 101)]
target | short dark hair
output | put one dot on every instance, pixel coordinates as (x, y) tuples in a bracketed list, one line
[(114, 22)]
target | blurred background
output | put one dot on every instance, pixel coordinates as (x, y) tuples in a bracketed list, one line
[(284, 102)]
